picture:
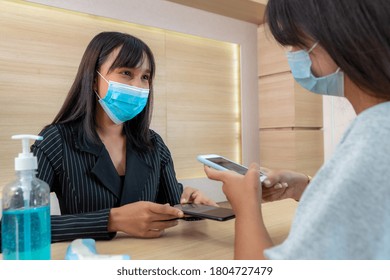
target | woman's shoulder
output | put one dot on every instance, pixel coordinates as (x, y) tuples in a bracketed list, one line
[(159, 144), (375, 116), (374, 121), (53, 135), (155, 137)]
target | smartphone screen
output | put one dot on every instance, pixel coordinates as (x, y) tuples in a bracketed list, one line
[(206, 211), (222, 163), (229, 165)]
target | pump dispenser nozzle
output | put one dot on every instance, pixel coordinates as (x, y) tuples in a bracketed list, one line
[(26, 160)]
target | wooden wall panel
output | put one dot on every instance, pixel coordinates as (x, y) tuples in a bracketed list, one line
[(294, 149), (246, 10), (290, 117), (203, 108), (276, 101), (284, 103), (271, 56), (40, 50), (308, 107)]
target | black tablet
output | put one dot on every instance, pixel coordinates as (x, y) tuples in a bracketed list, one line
[(206, 211)]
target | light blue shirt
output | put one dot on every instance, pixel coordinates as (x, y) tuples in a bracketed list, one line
[(345, 211)]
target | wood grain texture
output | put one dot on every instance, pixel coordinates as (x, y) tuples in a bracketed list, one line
[(196, 84), (284, 103), (290, 117), (196, 240), (271, 56), (202, 109), (246, 10), (300, 150)]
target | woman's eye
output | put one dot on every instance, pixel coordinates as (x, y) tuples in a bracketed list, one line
[(127, 73), (146, 77)]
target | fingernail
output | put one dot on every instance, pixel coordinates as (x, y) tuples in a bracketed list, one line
[(183, 200), (267, 183), (284, 185), (278, 186)]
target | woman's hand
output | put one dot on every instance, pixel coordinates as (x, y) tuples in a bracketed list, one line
[(243, 192), (191, 195), (282, 184), (143, 219)]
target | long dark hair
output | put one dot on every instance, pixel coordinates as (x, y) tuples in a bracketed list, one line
[(355, 33), (80, 103)]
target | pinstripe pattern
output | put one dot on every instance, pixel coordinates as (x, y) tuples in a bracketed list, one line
[(87, 185)]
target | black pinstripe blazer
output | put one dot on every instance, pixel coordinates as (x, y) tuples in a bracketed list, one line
[(87, 184)]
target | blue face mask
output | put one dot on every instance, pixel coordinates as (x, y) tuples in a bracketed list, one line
[(123, 102), (300, 65)]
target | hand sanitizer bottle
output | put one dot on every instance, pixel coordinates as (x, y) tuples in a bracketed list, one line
[(25, 227)]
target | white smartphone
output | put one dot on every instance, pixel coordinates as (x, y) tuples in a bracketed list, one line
[(221, 163)]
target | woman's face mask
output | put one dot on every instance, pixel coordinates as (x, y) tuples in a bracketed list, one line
[(123, 102), (300, 64)]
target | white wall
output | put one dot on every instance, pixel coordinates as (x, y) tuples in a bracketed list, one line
[(179, 18), (338, 114)]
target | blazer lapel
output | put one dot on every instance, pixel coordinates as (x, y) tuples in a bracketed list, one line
[(105, 171), (137, 172)]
